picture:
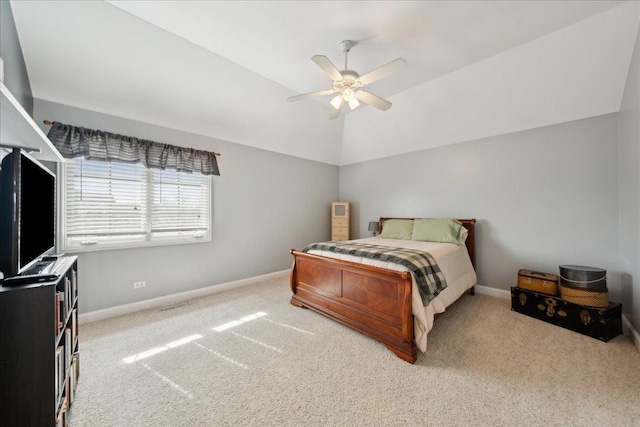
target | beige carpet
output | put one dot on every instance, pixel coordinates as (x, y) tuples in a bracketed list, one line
[(247, 357)]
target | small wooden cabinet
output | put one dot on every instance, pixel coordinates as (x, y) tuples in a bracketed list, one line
[(339, 221), (39, 358)]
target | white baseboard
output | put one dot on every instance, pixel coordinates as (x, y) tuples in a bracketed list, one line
[(493, 292), (629, 330), (94, 316)]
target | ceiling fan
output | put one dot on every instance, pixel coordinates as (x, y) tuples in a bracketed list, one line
[(348, 84)]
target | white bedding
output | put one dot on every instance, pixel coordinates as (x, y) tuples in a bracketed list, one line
[(454, 262)]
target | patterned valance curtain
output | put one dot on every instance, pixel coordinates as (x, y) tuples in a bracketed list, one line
[(91, 144)]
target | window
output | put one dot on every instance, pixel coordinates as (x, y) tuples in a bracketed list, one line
[(107, 205)]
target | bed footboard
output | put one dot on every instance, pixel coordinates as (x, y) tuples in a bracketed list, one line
[(371, 300)]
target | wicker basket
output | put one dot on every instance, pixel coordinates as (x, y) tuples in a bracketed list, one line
[(585, 297)]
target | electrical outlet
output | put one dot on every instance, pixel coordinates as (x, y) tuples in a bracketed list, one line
[(138, 285)]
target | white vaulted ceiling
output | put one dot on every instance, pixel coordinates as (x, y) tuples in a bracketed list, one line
[(225, 69)]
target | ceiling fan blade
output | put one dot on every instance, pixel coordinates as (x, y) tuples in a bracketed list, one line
[(310, 95), (373, 100), (384, 71), (335, 112), (327, 66)]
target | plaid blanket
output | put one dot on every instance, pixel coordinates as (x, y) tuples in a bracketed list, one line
[(429, 278)]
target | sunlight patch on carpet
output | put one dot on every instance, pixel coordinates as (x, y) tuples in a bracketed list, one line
[(270, 347), (156, 350), (222, 356), (240, 321), (289, 326), (168, 381)]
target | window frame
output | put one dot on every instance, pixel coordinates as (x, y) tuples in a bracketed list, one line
[(63, 244)]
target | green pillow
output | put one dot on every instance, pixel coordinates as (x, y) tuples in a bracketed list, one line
[(397, 229), (443, 230)]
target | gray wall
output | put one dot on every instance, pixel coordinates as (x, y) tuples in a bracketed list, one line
[(542, 197), (15, 72), (629, 152), (263, 204)]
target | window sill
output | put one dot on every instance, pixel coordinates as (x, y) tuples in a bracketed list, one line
[(132, 245)]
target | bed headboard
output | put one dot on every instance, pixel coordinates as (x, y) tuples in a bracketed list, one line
[(469, 224)]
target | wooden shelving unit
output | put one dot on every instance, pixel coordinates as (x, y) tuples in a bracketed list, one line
[(39, 357)]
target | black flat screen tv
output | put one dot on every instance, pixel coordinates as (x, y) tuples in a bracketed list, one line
[(27, 212)]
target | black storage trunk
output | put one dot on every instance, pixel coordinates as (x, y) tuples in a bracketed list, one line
[(601, 323)]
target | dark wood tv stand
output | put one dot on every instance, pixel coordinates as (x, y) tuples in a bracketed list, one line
[(39, 356)]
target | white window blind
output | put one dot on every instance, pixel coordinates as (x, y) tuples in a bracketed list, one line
[(178, 203), (111, 205)]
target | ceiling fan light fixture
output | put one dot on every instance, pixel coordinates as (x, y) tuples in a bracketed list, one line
[(337, 101), (354, 103), (349, 94)]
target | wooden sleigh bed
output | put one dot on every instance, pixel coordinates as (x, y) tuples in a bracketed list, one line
[(374, 301)]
